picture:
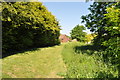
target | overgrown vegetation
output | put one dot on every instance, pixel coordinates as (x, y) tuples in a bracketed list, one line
[(113, 43), (104, 19), (27, 24), (86, 61)]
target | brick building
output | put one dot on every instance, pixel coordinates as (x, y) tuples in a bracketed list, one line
[(64, 38)]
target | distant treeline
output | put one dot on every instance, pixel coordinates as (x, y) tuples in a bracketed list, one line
[(27, 25)]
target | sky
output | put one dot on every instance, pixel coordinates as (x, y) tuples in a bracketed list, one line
[(68, 14)]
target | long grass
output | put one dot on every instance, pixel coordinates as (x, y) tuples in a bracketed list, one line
[(84, 61)]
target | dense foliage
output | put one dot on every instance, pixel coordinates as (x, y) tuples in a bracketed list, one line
[(89, 38), (113, 43), (77, 33), (27, 24), (96, 22), (104, 19)]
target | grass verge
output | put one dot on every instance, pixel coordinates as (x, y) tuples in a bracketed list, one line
[(84, 61)]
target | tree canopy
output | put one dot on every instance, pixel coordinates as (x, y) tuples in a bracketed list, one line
[(113, 43), (77, 33), (28, 24), (96, 22), (89, 37)]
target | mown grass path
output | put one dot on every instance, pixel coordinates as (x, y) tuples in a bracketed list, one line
[(41, 63)]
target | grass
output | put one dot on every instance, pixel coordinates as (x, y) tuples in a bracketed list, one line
[(84, 61), (69, 60), (41, 63)]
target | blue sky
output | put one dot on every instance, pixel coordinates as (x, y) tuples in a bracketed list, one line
[(68, 13)]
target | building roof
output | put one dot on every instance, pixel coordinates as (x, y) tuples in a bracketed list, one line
[(64, 38)]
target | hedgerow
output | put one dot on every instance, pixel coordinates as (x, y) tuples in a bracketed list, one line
[(27, 24)]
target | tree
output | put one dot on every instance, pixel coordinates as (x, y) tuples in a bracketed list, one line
[(28, 24), (77, 33), (104, 19), (96, 22), (113, 43), (89, 37)]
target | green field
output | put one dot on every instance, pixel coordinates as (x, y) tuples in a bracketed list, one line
[(68, 60)]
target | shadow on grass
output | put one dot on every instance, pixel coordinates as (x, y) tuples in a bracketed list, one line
[(17, 52), (92, 49), (13, 52), (88, 49), (103, 74)]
